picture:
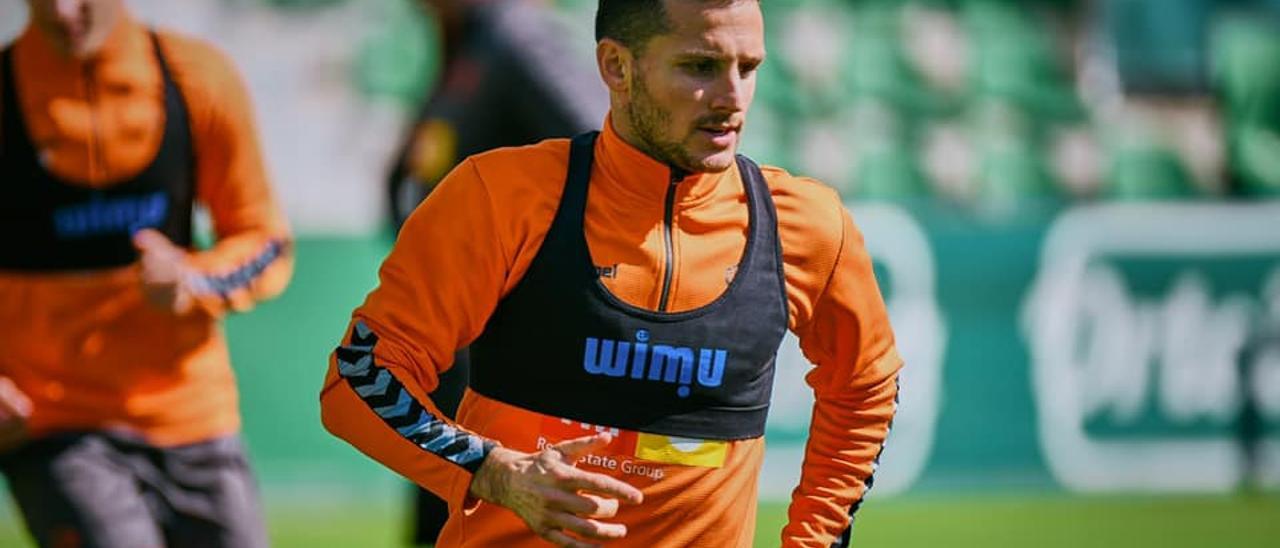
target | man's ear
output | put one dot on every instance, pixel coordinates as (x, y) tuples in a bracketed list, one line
[(614, 61)]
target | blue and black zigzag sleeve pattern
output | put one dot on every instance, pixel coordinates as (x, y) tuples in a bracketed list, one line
[(389, 399), (846, 539), (244, 275)]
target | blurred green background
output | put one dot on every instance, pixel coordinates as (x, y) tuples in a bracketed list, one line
[(910, 522)]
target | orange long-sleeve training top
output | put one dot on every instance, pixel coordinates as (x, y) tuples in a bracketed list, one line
[(83, 345), (471, 241)]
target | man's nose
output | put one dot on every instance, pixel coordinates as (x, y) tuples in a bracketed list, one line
[(733, 93)]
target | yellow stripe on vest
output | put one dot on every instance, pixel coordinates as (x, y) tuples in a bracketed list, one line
[(686, 451)]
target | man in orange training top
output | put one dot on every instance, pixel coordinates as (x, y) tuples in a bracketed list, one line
[(118, 407), (624, 295)]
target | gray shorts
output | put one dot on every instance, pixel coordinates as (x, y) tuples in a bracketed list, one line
[(106, 490)]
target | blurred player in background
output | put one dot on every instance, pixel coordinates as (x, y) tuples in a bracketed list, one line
[(508, 80), (118, 407), (647, 309)]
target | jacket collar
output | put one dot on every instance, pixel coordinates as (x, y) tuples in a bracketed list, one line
[(647, 179), (126, 40)]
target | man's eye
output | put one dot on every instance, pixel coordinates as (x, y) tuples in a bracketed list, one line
[(701, 68)]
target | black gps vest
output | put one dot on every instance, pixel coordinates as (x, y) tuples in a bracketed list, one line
[(562, 345), (49, 224)]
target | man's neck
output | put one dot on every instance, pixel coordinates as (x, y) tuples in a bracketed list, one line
[(63, 49), (625, 131)]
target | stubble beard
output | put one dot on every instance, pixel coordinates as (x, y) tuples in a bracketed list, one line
[(648, 120)]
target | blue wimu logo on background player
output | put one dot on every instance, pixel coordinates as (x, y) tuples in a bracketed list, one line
[(127, 214), (658, 362)]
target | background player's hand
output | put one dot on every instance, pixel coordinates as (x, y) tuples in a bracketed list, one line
[(164, 272), (14, 410), (552, 496)]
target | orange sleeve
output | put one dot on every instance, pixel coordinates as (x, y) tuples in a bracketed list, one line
[(436, 290), (252, 258), (848, 337)]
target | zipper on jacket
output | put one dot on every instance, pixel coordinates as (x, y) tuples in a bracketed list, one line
[(668, 213), (95, 137)]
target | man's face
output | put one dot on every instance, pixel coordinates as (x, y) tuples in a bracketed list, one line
[(692, 86), (76, 27)]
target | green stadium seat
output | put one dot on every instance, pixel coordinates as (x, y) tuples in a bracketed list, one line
[(1246, 70), (825, 148), (1146, 170), (884, 143), (1256, 155), (1012, 172), (890, 173), (1013, 57), (1012, 167), (400, 59), (1246, 66), (809, 45)]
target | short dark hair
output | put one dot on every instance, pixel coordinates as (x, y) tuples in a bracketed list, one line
[(631, 22)]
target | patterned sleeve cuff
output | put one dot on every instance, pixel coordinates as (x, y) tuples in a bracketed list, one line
[(398, 409)]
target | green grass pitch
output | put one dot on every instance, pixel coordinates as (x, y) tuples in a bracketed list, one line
[(988, 521)]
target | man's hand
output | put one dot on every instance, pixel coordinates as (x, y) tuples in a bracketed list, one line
[(164, 272), (14, 410), (552, 496)]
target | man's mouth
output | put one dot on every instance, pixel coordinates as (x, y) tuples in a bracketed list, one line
[(73, 36), (717, 131)]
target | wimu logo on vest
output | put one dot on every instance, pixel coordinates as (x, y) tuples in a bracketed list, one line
[(119, 215), (659, 362)]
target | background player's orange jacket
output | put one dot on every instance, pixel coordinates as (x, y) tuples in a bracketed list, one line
[(469, 244), (84, 346)]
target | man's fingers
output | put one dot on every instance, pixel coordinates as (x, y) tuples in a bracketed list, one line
[(602, 507), (163, 271), (560, 539), (588, 528), (574, 448), (149, 239), (582, 504), (595, 483), (600, 484), (12, 401)]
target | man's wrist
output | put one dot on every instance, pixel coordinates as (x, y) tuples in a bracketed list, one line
[(488, 479)]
